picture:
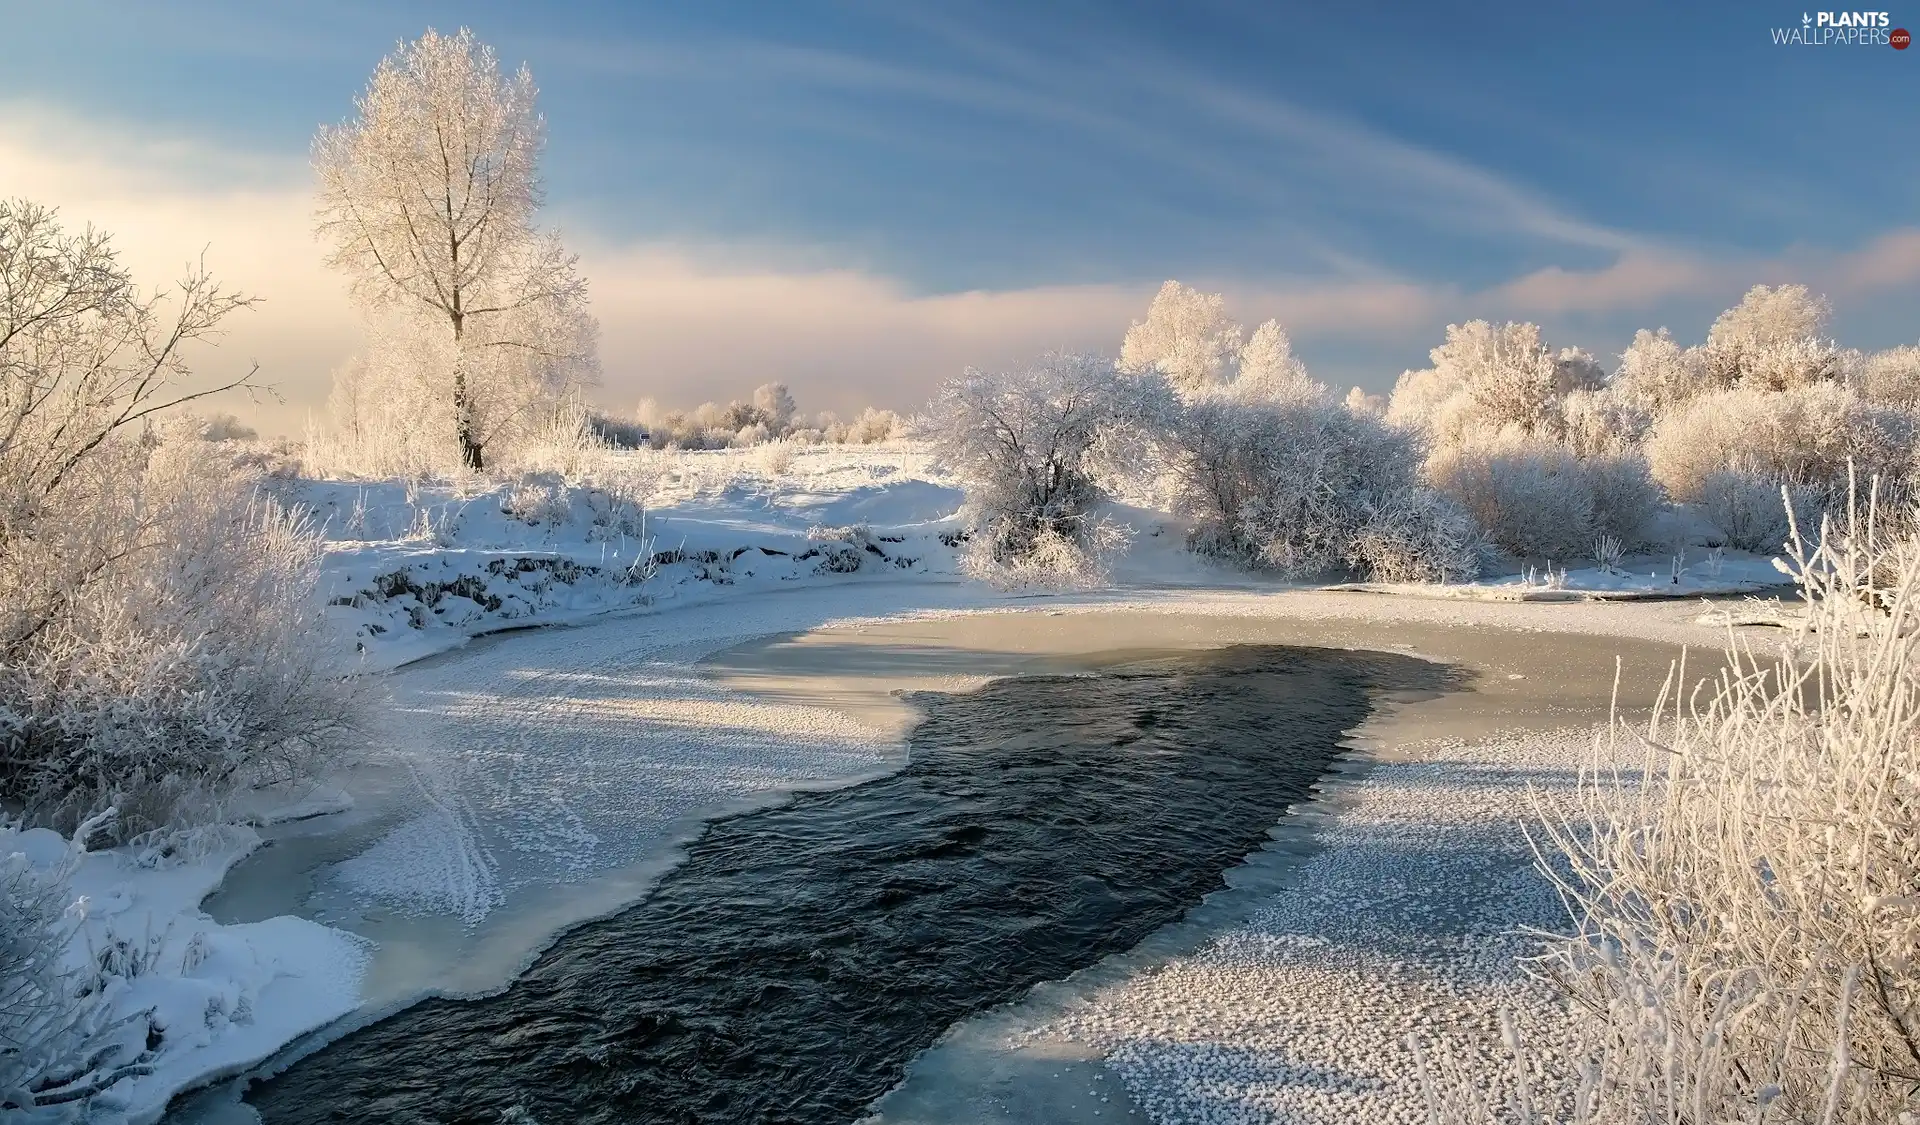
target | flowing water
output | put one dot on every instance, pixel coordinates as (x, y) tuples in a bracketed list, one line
[(797, 961)]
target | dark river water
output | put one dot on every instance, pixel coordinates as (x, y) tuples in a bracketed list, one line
[(790, 969)]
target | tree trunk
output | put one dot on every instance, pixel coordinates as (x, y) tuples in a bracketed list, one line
[(470, 450)]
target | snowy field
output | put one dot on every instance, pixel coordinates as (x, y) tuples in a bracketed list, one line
[(417, 569), (531, 782)]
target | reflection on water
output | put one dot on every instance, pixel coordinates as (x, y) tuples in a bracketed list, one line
[(793, 966)]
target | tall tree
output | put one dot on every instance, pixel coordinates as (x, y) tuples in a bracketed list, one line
[(1187, 336), (428, 197)]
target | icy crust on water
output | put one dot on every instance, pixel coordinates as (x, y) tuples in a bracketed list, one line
[(1406, 920), (646, 742), (588, 748)]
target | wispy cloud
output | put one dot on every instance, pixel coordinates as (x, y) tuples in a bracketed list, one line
[(688, 322), (1637, 279), (1334, 157), (1888, 262)]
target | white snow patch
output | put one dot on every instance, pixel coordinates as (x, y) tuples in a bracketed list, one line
[(224, 997), (1407, 922)]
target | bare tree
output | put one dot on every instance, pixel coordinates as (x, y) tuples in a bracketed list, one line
[(428, 198)]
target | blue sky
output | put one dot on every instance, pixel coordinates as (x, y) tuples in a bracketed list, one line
[(1652, 159)]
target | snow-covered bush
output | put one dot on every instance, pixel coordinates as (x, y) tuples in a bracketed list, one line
[(559, 440), (1890, 378), (1269, 371), (869, 427), (775, 459), (1604, 423), (1805, 436), (1535, 499), (538, 500), (160, 644), (187, 660), (618, 433), (1745, 907), (1658, 374), (1625, 498), (1291, 484), (216, 427), (1486, 378), (1752, 510), (1576, 370), (1416, 535), (1361, 401), (1526, 492), (1771, 341), (59, 1045), (771, 416), (1026, 445)]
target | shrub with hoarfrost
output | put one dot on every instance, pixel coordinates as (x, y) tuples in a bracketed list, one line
[(1291, 485), (1771, 341), (193, 661), (1749, 910), (1497, 377), (1025, 446), (775, 459), (772, 416), (1745, 905), (160, 643), (1890, 378), (1416, 535), (1625, 497), (1604, 423), (1807, 436), (1658, 374), (1751, 509), (1361, 401), (1528, 493), (1269, 371), (1535, 499)]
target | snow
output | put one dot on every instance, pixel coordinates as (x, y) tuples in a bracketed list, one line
[(225, 997), (532, 782), (1639, 577), (414, 569), (1405, 922)]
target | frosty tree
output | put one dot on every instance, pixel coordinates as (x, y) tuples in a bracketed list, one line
[(1187, 336), (1771, 340), (1270, 370), (84, 356), (1507, 372), (1659, 374), (160, 645), (428, 197), (1025, 446)]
